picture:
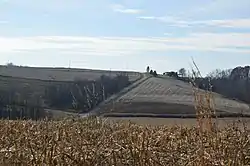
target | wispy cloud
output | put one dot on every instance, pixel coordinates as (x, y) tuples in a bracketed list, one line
[(220, 7), (48, 5), (171, 21), (230, 23), (119, 46), (3, 22), (167, 34), (225, 23), (121, 9)]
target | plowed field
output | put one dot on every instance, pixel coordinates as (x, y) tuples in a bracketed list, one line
[(168, 96)]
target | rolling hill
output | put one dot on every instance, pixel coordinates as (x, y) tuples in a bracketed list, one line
[(57, 88), (60, 74), (166, 97), (146, 96)]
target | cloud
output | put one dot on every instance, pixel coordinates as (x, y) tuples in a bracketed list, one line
[(171, 21), (167, 34), (123, 46), (230, 23), (47, 5), (3, 22), (225, 23), (121, 9), (219, 7)]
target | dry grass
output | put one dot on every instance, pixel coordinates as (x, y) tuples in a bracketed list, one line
[(93, 142), (204, 103)]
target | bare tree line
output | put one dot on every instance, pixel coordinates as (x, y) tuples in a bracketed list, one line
[(80, 96), (232, 83)]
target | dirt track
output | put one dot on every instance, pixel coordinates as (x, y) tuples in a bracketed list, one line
[(222, 122)]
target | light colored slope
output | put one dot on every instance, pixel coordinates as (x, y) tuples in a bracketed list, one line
[(105, 105), (170, 94)]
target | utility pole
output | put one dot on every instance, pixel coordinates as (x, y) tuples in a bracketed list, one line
[(69, 64)]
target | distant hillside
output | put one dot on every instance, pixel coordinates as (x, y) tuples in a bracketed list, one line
[(27, 91), (61, 74), (167, 97)]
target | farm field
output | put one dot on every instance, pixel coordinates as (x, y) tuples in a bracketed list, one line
[(61, 74), (95, 142), (35, 85), (186, 122), (37, 79), (168, 96)]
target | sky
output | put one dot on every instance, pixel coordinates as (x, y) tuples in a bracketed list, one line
[(126, 34)]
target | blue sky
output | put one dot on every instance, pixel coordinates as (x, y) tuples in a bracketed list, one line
[(125, 34)]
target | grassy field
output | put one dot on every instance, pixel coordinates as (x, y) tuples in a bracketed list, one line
[(61, 74), (94, 142), (38, 78)]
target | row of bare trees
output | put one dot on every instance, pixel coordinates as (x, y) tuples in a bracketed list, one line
[(15, 105), (232, 83), (82, 96), (78, 96)]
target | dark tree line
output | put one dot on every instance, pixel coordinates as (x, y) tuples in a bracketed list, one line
[(83, 96), (80, 95), (171, 74), (233, 83), (14, 105)]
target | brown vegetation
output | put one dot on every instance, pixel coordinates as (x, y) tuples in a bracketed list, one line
[(92, 142)]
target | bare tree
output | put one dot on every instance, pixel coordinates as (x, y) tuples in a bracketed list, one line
[(220, 73), (10, 64), (183, 72)]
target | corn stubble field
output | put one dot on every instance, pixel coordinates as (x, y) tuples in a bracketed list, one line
[(94, 142)]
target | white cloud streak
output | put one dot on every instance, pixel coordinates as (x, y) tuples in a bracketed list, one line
[(48, 5), (121, 46), (233, 23), (3, 22), (121, 9), (226, 23), (218, 7)]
